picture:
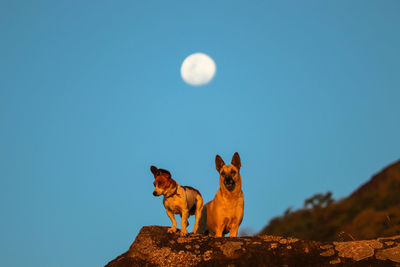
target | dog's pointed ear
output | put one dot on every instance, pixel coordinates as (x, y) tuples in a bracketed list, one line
[(219, 163), (236, 160), (154, 170)]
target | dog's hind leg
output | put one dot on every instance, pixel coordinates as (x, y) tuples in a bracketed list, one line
[(199, 209), (202, 226), (184, 222)]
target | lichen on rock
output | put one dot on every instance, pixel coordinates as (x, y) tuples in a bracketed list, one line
[(392, 254), (357, 250), (229, 248)]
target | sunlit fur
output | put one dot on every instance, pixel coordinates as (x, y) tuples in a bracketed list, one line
[(182, 200), (224, 213)]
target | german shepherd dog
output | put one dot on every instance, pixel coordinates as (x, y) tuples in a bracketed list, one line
[(224, 213)]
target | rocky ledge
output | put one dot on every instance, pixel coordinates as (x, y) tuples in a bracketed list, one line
[(153, 246)]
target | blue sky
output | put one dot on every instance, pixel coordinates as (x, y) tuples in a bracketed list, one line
[(91, 96)]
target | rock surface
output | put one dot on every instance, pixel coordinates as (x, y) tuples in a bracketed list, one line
[(155, 247)]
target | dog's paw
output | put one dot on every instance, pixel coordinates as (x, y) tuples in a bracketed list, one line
[(172, 230), (183, 232)]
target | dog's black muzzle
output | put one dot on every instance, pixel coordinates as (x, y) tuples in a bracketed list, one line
[(229, 183), (155, 193)]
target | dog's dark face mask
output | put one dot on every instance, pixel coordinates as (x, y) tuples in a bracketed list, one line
[(229, 183), (229, 178)]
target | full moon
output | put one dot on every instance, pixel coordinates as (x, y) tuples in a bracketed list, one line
[(198, 69)]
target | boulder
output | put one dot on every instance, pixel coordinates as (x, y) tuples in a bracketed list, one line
[(154, 246)]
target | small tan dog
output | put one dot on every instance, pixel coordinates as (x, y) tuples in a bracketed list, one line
[(224, 213), (182, 200)]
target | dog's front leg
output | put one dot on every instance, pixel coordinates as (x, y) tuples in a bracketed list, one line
[(234, 230), (172, 218), (184, 222), (219, 230)]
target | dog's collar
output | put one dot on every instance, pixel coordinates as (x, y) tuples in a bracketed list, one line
[(173, 193)]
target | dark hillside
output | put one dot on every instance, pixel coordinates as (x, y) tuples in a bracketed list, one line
[(372, 210)]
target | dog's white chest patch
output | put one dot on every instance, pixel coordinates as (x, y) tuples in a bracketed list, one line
[(174, 204)]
